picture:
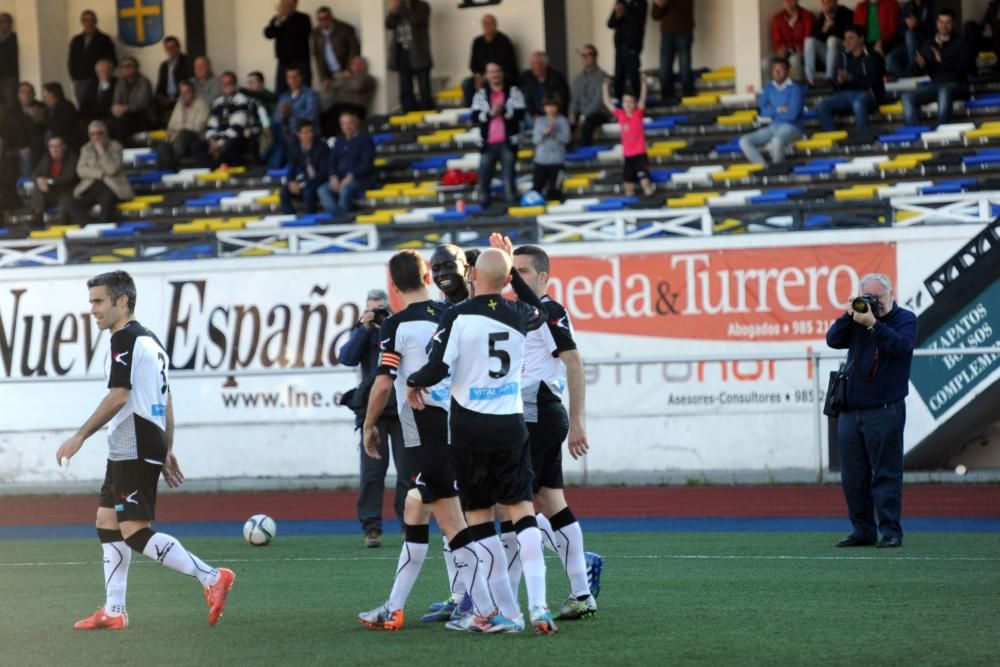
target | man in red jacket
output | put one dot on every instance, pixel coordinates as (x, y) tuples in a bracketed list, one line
[(789, 29), (881, 21)]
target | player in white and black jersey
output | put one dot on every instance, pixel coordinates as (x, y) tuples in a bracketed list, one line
[(480, 344), (138, 410), (552, 366), (404, 343)]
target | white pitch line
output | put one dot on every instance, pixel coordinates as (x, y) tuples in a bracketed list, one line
[(333, 559)]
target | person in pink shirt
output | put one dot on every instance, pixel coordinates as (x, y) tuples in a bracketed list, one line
[(498, 108), (630, 118)]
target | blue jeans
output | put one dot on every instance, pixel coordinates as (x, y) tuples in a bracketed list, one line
[(870, 443), (776, 135), (902, 60), (487, 167), (341, 202), (943, 93), (676, 44), (859, 101)]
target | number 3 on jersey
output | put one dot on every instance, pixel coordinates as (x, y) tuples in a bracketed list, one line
[(502, 355)]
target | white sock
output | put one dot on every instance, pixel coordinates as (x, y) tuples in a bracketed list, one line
[(513, 553), (492, 556), (455, 583), (569, 545), (548, 535), (411, 559), (170, 552), (530, 542), (473, 578), (117, 557)]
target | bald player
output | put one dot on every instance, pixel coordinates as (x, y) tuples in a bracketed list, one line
[(480, 343)]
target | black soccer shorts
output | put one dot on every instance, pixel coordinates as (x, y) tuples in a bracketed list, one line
[(488, 478), (130, 489), (636, 168), (546, 437), (431, 471)]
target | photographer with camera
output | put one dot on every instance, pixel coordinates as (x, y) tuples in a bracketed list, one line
[(879, 337), (362, 348)]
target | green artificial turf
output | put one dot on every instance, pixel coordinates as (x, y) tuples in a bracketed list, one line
[(667, 598)]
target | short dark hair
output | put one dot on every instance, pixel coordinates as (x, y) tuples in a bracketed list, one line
[(171, 38), (303, 124), (407, 269), (258, 74), (54, 88), (229, 73), (129, 59), (294, 68), (539, 258), (551, 100), (324, 10), (187, 82), (780, 60), (92, 13), (118, 284), (856, 29), (947, 12)]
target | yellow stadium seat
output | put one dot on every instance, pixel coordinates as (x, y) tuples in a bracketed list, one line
[(133, 206), (410, 245), (691, 200), (984, 133), (149, 199), (450, 94), (673, 144), (228, 225), (157, 135), (525, 211), (659, 151), (418, 192), (381, 162), (898, 164), (213, 176), (53, 232), (575, 182), (381, 217), (382, 193), (856, 192), (255, 252), (729, 225), (269, 200), (124, 252), (721, 74), (701, 100), (833, 135), (103, 259), (525, 154), (813, 144), (192, 227), (919, 157), (895, 108)]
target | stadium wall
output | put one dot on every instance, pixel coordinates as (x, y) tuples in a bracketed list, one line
[(255, 342)]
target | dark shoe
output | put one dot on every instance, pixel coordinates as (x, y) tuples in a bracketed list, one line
[(856, 541), (890, 542), (373, 539)]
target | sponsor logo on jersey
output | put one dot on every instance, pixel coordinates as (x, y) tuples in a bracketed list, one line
[(440, 394), (419, 479), (158, 410), (120, 358), (490, 393), (130, 498), (437, 336), (561, 322)]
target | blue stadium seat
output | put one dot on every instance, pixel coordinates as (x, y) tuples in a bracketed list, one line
[(277, 173), (663, 175), (435, 162), (450, 215), (775, 196), (823, 166), (948, 187), (584, 154), (983, 102), (382, 137), (817, 220), (730, 147)]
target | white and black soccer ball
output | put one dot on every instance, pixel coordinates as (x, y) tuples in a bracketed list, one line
[(259, 530)]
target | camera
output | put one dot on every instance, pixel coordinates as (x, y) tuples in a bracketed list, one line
[(866, 302), (379, 315)]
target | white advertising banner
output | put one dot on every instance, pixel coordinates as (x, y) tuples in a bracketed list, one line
[(255, 343)]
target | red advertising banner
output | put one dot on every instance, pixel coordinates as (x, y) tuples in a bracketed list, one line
[(753, 294)]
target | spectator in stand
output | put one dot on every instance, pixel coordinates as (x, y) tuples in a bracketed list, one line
[(919, 18), (205, 82), (97, 101), (984, 35), (229, 119), (630, 120), (173, 70), (10, 69), (297, 103), (334, 43), (410, 50), (550, 137), (24, 132), (290, 29), (353, 92), (85, 50), (789, 29), (307, 176), (132, 104), (676, 19), (880, 20), (102, 178), (782, 101), (628, 20), (490, 47), (828, 31), (55, 177), (541, 80), (859, 82), (498, 109), (945, 58), (586, 107), (61, 119), (186, 128), (351, 166), (258, 92)]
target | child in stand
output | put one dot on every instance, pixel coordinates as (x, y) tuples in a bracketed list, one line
[(550, 135), (630, 117)]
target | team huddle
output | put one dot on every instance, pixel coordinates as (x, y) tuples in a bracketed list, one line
[(483, 424)]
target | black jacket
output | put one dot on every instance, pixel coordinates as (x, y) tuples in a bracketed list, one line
[(9, 67), (499, 51), (954, 63), (318, 156), (841, 20), (513, 113), (291, 38), (83, 58), (867, 72), (182, 70), (66, 180), (21, 130), (63, 121), (630, 29), (555, 84), (96, 103)]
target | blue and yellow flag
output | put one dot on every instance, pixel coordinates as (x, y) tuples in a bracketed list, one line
[(140, 22)]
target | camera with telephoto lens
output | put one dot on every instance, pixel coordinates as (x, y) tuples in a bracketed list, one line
[(866, 302), (379, 315)]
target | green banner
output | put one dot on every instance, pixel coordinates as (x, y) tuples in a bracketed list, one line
[(943, 381)]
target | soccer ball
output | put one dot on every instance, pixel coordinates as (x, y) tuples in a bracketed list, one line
[(259, 530)]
